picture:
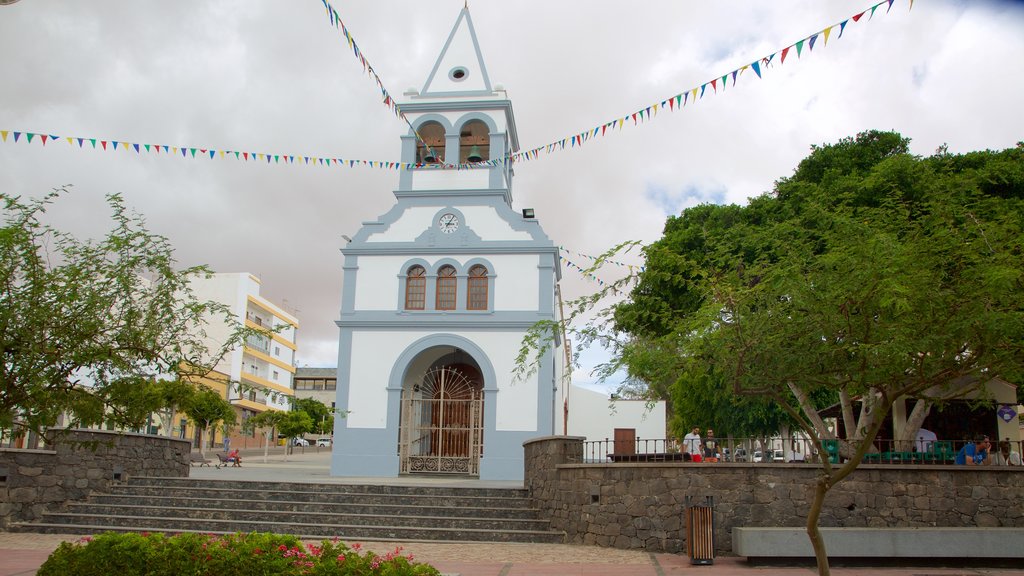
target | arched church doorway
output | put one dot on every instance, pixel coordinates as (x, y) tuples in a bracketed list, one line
[(442, 414)]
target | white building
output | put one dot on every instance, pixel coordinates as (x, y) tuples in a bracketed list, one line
[(595, 416), (439, 292), (264, 365)]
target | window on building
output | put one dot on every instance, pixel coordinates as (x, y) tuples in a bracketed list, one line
[(277, 350), (276, 375), (432, 134), (415, 288), (474, 142), (476, 298), (446, 288)]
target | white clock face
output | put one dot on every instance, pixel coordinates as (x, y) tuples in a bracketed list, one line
[(448, 223)]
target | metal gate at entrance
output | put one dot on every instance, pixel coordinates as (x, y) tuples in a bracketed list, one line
[(442, 424)]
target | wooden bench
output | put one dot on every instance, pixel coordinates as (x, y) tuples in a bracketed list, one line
[(850, 542), (197, 458)]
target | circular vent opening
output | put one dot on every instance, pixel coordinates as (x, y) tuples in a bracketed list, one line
[(458, 74)]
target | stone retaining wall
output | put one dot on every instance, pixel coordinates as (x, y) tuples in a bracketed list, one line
[(637, 505), (82, 461)]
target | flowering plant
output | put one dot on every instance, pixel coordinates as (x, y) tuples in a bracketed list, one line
[(145, 554)]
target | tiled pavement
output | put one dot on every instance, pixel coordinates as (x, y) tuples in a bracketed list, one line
[(22, 554)]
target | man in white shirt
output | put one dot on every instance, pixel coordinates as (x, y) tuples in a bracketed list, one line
[(691, 444)]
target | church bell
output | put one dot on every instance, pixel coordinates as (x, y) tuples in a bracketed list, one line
[(474, 155)]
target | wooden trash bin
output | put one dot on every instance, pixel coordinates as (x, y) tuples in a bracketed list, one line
[(699, 524)]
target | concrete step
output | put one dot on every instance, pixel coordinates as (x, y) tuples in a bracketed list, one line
[(396, 489), (300, 493), (350, 512), (61, 523), (390, 509), (80, 513)]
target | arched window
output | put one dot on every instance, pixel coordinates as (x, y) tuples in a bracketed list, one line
[(433, 134), (474, 142), (476, 298), (415, 288), (446, 288)]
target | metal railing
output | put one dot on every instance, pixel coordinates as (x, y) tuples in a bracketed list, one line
[(786, 450)]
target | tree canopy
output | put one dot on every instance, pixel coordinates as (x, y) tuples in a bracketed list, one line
[(319, 413), (206, 408), (82, 321), (869, 273)]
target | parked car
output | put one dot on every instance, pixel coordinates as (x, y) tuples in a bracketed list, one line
[(777, 456), (300, 442), (323, 442)]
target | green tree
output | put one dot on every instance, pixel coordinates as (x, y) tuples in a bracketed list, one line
[(869, 274), (319, 413), (206, 409), (293, 425), (268, 421), (79, 317)]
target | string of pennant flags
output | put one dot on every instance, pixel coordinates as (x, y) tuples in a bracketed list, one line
[(718, 84), (388, 101), (631, 267), (679, 101), (193, 152), (583, 272)]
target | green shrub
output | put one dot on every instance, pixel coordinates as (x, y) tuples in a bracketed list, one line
[(262, 554)]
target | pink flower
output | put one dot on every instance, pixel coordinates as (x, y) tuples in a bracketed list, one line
[(282, 547), (335, 540), (357, 546), (341, 557), (257, 551)]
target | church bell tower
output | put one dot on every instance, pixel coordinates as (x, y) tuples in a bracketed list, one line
[(439, 292)]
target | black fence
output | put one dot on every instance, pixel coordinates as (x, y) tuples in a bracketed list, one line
[(792, 450)]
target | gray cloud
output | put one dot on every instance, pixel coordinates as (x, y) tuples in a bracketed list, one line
[(275, 77)]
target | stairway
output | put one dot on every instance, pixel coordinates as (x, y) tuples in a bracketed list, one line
[(311, 511)]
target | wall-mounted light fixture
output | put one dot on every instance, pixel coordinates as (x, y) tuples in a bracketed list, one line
[(527, 212)]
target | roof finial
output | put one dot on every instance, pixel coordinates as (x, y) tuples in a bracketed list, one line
[(466, 5)]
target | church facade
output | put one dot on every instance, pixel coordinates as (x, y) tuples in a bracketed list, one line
[(439, 292)]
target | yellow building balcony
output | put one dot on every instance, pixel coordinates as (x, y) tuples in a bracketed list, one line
[(263, 382)]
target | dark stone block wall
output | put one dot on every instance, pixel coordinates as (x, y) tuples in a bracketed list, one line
[(641, 506), (78, 463)]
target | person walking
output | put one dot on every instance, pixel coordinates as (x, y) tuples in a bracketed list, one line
[(692, 444), (712, 451)]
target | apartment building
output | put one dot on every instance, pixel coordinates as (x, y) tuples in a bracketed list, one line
[(265, 365)]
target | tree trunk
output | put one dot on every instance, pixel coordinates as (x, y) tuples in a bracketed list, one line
[(905, 441), (813, 532), (846, 405), (811, 412)]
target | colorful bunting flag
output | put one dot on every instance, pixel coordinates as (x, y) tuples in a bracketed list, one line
[(676, 102)]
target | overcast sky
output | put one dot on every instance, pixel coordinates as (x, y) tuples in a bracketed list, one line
[(275, 77)]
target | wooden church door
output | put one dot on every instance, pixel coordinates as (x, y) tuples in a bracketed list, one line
[(442, 422)]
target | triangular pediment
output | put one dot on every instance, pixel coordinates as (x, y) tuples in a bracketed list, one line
[(459, 70)]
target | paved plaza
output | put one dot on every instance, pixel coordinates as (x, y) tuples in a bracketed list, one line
[(22, 554)]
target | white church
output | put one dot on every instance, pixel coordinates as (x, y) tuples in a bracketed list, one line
[(439, 292)]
